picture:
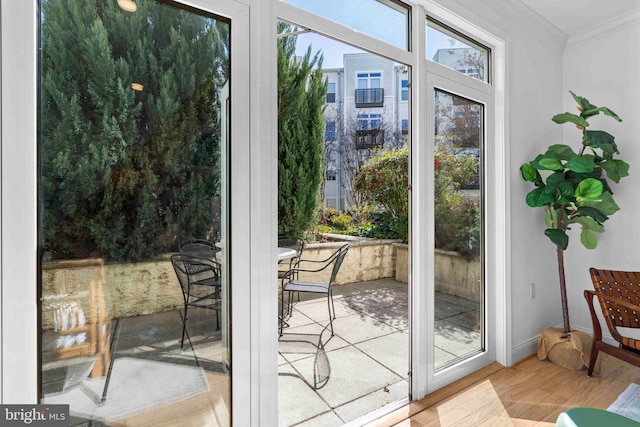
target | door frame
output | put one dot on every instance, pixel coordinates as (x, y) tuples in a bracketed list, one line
[(19, 359)]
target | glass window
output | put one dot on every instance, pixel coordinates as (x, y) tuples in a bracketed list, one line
[(133, 196), (369, 80), (374, 121), (331, 93), (459, 225), (363, 121), (330, 131), (365, 16), (405, 126), (456, 51), (375, 80), (404, 90)]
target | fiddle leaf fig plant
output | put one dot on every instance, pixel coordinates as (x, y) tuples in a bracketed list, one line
[(573, 187)]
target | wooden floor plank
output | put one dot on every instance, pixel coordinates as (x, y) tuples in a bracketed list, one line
[(529, 394)]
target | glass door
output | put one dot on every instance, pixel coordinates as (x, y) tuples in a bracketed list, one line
[(135, 119), (460, 323), (459, 238)]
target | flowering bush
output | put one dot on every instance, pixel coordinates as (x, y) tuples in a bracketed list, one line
[(383, 181)]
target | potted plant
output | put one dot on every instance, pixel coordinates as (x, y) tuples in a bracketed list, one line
[(573, 189)]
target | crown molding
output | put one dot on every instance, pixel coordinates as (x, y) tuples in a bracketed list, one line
[(611, 26), (523, 17)]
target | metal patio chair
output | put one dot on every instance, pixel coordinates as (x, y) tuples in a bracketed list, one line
[(198, 247), (293, 283), (201, 284)]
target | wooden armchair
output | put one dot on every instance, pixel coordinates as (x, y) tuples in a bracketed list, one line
[(619, 295)]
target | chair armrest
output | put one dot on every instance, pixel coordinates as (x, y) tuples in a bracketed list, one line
[(597, 330), (292, 271), (329, 258), (624, 302)]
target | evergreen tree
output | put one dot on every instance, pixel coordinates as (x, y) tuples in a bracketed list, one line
[(126, 174), (301, 95)]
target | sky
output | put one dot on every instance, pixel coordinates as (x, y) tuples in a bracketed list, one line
[(333, 51)]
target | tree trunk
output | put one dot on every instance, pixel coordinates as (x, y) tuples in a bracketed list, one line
[(563, 290)]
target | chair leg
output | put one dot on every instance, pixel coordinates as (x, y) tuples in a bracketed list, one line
[(332, 304), (592, 360), (330, 316), (290, 304), (281, 319), (184, 326)]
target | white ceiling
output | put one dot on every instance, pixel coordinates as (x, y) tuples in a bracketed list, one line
[(575, 16)]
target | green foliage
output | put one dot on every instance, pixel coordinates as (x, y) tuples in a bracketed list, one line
[(383, 181), (342, 220), (458, 225), (128, 174), (301, 94), (457, 217), (577, 190)]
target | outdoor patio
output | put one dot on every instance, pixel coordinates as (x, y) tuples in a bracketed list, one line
[(326, 381), (323, 380)]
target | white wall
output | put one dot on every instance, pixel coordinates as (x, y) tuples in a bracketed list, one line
[(603, 65), (534, 95)]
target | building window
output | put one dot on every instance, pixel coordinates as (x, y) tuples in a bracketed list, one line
[(331, 204), (405, 126), (331, 93), (369, 80), (330, 131), (404, 90), (369, 121), (369, 134), (369, 92)]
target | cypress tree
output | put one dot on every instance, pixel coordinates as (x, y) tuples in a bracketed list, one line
[(127, 174), (301, 94)]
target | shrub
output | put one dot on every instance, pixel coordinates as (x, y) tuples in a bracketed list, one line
[(383, 182)]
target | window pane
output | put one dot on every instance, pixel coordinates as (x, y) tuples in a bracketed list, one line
[(334, 378), (454, 50), (458, 202), (386, 20), (133, 155)]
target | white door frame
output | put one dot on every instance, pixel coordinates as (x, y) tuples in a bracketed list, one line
[(18, 229)]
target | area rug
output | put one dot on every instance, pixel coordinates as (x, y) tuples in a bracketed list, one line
[(628, 403), (135, 385)]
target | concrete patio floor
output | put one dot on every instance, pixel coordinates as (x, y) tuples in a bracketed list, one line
[(328, 381), (322, 380)]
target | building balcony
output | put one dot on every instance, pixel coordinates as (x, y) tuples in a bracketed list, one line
[(369, 97), (369, 138)]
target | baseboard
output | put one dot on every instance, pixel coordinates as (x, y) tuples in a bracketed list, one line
[(525, 350)]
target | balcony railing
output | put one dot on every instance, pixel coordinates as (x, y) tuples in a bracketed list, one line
[(369, 97), (370, 138)]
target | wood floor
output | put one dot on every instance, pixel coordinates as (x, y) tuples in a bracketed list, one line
[(530, 393)]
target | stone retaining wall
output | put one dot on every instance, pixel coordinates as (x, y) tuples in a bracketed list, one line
[(454, 274), (130, 289)]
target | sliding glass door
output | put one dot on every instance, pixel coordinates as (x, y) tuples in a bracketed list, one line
[(135, 234)]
